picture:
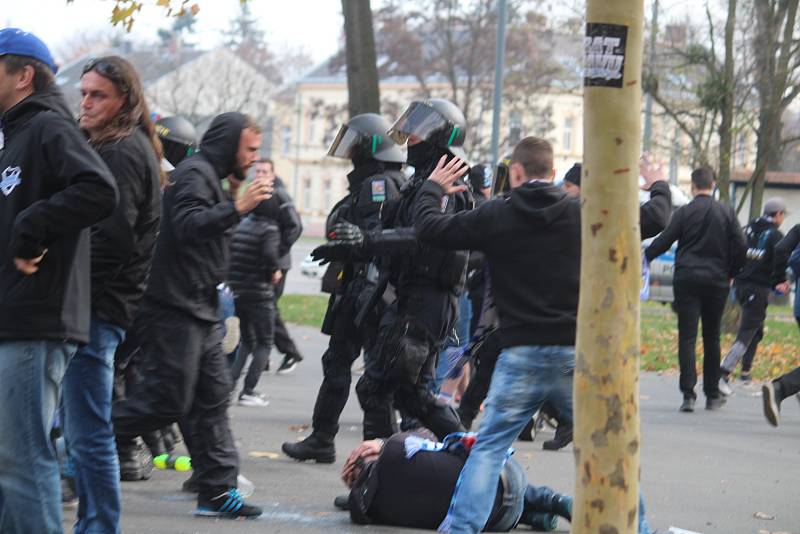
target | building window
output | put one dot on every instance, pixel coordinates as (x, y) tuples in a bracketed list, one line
[(328, 195), (307, 194), (312, 130), (566, 140), (286, 140)]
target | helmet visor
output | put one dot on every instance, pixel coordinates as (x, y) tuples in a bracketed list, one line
[(345, 143), (420, 120)]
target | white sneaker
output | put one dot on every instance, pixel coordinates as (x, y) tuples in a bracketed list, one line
[(252, 400), (725, 388)]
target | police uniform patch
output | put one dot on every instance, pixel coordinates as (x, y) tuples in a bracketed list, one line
[(378, 190)]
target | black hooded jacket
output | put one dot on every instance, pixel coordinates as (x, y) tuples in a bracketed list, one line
[(254, 255), (197, 222), (280, 209), (532, 241), (762, 236), (54, 187), (123, 244)]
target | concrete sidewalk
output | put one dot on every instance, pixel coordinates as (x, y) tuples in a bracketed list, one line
[(708, 472)]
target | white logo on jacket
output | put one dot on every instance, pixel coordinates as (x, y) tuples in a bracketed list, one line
[(10, 180)]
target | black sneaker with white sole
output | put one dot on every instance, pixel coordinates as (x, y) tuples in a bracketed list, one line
[(228, 505), (290, 361)]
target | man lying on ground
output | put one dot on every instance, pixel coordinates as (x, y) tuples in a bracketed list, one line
[(408, 481)]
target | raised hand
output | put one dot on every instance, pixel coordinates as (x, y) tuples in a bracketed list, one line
[(446, 173), (256, 192)]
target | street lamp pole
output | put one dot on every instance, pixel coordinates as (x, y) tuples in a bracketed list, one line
[(498, 79)]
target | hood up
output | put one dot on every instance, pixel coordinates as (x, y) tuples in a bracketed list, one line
[(220, 143)]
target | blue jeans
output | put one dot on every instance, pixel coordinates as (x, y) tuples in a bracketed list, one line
[(30, 377), (88, 431), (462, 332), (523, 379)]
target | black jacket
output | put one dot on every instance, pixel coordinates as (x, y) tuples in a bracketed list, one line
[(280, 209), (532, 241), (762, 236), (254, 256), (711, 245), (193, 247), (783, 250), (54, 187), (123, 244)]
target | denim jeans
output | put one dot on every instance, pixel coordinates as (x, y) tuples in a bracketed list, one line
[(462, 333), (514, 496), (86, 401), (30, 377), (525, 377)]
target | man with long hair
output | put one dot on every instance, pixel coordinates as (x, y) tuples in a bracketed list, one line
[(115, 118), (54, 187)]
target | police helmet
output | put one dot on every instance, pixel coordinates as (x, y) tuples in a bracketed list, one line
[(364, 137), (436, 121), (178, 137)]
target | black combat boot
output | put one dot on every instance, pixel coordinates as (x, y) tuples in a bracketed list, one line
[(312, 448), (135, 460), (562, 438)]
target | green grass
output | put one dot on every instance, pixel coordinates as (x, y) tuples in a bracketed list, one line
[(307, 310), (777, 353)]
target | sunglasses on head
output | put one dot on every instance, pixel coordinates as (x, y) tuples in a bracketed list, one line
[(107, 70)]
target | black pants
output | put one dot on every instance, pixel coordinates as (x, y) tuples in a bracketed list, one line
[(411, 334), (257, 324), (283, 341), (478, 388), (699, 301), (788, 384), (185, 374), (754, 300), (343, 348)]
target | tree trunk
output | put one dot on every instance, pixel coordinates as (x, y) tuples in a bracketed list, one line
[(726, 125), (362, 70), (606, 392)]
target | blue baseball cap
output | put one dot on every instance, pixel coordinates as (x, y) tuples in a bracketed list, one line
[(21, 43)]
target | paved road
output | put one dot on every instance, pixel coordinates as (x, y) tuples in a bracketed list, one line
[(296, 282), (706, 472)]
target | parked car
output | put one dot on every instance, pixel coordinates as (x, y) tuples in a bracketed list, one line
[(311, 267), (662, 270)]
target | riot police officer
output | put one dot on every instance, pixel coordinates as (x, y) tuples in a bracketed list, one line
[(178, 137), (426, 279), (375, 180)]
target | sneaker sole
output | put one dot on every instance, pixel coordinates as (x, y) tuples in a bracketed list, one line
[(287, 370), (771, 411), (223, 515), (252, 404)]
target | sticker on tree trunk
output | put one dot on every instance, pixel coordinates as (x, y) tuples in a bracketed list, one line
[(604, 55)]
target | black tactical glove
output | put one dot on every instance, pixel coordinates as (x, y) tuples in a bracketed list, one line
[(344, 232)]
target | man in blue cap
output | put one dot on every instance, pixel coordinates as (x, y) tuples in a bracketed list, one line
[(53, 188)]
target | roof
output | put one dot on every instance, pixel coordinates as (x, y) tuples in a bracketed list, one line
[(742, 176)]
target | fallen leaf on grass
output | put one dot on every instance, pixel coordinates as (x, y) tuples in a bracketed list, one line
[(763, 515), (264, 454)]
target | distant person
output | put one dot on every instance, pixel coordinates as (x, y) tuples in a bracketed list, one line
[(787, 253), (752, 288), (252, 274), (54, 188), (282, 209), (572, 181), (711, 251), (115, 117)]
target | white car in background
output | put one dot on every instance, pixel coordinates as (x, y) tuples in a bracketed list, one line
[(311, 267)]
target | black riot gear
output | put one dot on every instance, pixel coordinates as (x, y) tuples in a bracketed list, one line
[(353, 279), (364, 138), (178, 137), (435, 121)]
